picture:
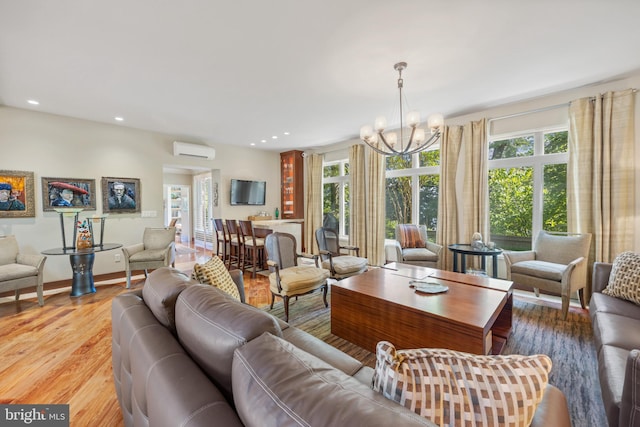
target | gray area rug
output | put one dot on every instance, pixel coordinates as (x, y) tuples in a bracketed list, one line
[(537, 329)]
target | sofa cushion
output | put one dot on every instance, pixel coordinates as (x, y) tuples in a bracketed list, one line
[(211, 325), (16, 271), (214, 273), (453, 388), (624, 281), (8, 250), (418, 254), (160, 292), (608, 304), (277, 384), (612, 364), (616, 330), (542, 269)]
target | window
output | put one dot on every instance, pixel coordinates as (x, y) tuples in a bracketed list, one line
[(412, 185), (527, 186), (335, 201)]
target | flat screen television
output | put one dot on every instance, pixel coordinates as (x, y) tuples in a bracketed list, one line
[(247, 192)]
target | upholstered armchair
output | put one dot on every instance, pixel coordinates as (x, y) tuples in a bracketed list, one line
[(156, 250), (412, 247), (557, 263), (287, 278), (339, 265), (18, 270)]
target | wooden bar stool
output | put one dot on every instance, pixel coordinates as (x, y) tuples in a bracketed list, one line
[(222, 240), (253, 247), (236, 248)]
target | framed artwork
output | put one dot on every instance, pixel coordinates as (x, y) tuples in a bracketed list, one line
[(68, 192), (120, 195), (17, 198)]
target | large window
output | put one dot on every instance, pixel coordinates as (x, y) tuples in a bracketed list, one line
[(527, 186), (335, 202), (412, 185)]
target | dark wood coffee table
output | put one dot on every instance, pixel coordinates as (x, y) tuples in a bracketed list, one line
[(474, 315)]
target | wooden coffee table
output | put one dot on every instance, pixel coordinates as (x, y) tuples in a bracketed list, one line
[(474, 315)]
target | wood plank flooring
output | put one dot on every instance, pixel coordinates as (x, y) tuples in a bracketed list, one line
[(61, 353)]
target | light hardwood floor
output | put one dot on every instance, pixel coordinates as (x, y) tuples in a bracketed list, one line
[(61, 353)]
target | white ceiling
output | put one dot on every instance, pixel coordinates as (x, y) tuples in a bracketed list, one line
[(238, 72)]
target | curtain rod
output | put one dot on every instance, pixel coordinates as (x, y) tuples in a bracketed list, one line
[(523, 113), (540, 110)]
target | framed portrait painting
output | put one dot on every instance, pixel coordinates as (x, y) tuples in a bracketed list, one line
[(68, 193), (16, 194), (120, 195)]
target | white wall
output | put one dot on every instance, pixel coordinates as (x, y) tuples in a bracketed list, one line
[(63, 147)]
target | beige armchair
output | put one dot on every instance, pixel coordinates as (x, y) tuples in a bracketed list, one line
[(339, 264), (156, 250), (412, 247), (557, 263), (288, 279), (19, 271)]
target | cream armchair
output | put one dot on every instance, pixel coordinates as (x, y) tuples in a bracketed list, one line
[(19, 271), (156, 250), (417, 250), (557, 263)]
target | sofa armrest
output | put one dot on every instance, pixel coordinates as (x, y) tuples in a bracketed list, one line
[(600, 278), (511, 257), (238, 279), (130, 250), (553, 410), (630, 402), (393, 251), (36, 261), (435, 248)]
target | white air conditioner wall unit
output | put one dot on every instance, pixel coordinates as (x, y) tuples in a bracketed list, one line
[(193, 150)]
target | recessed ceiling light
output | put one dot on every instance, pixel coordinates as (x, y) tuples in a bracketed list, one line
[(33, 102), (274, 137), (263, 140), (287, 133), (118, 119), (252, 144)]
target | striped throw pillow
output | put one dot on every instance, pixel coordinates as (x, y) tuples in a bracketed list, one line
[(454, 388), (624, 280), (409, 236), (214, 273)]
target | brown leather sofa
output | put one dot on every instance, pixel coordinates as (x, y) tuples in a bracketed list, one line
[(616, 331), (178, 347)]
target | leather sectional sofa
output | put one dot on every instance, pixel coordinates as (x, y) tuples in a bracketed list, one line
[(616, 330), (188, 354)]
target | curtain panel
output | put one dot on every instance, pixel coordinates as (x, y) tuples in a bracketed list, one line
[(600, 174), (357, 199), (313, 205), (447, 230)]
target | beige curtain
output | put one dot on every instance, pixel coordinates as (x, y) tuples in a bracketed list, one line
[(475, 197), (447, 230), (600, 174), (313, 206), (357, 192), (375, 210)]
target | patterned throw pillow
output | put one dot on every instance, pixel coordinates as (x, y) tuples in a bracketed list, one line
[(214, 273), (454, 388), (409, 236), (624, 280)]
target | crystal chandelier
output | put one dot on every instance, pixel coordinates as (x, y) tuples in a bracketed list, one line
[(389, 144)]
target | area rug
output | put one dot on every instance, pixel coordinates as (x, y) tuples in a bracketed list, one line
[(536, 329)]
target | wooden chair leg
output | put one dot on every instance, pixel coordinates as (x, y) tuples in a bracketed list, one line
[(286, 307), (565, 306), (581, 296), (325, 288)]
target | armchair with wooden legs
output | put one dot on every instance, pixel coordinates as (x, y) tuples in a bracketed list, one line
[(287, 278)]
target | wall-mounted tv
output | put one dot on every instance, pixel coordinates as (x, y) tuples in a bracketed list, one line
[(247, 192)]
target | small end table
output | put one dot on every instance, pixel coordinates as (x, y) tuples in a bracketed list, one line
[(82, 265), (463, 250)]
